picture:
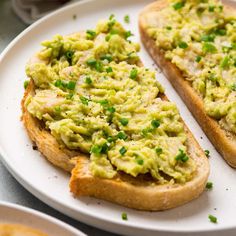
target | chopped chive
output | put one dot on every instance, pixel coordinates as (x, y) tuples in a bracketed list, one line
[(209, 48), (146, 131), (208, 38), (71, 85), (209, 185), (168, 27), (110, 139), (198, 58), (133, 73), (103, 102), (207, 153), (124, 121), (108, 37), (88, 80), (57, 109), (233, 87), (105, 148), (109, 69), (91, 62), (84, 100), (98, 66), (183, 45), (211, 8), (124, 216), (96, 149), (69, 55), (181, 156), (225, 62), (126, 19), (106, 57), (155, 123), (128, 34), (122, 151), (221, 32), (91, 34), (26, 83), (212, 218), (111, 109), (111, 16), (69, 96), (58, 83), (121, 135), (178, 5), (111, 21), (139, 161), (159, 150)]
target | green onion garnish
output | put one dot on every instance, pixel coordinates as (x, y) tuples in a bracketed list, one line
[(124, 216), (198, 58), (159, 150), (178, 5), (133, 73), (96, 149), (122, 151), (207, 153), (106, 57), (26, 83), (127, 19), (91, 34), (209, 48), (209, 185), (212, 218), (155, 123), (84, 100), (121, 135), (109, 69), (71, 85), (111, 109), (181, 156), (211, 8), (225, 62), (183, 45), (124, 121), (88, 80)]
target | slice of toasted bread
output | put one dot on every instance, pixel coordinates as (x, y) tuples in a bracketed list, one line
[(224, 141), (142, 192)]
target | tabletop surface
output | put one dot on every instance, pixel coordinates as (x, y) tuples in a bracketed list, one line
[(10, 189)]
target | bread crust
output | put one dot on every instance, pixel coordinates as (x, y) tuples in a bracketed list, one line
[(141, 193), (224, 141)]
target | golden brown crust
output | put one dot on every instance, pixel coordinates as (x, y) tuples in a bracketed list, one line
[(225, 142)]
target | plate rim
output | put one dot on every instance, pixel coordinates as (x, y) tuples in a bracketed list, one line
[(41, 215), (85, 217)]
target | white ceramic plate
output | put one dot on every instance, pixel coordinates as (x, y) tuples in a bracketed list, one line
[(15, 214), (51, 185)]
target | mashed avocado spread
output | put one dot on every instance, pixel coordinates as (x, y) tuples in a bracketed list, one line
[(93, 96), (199, 37)]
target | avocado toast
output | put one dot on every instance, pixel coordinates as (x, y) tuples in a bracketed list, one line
[(91, 107), (193, 42)]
